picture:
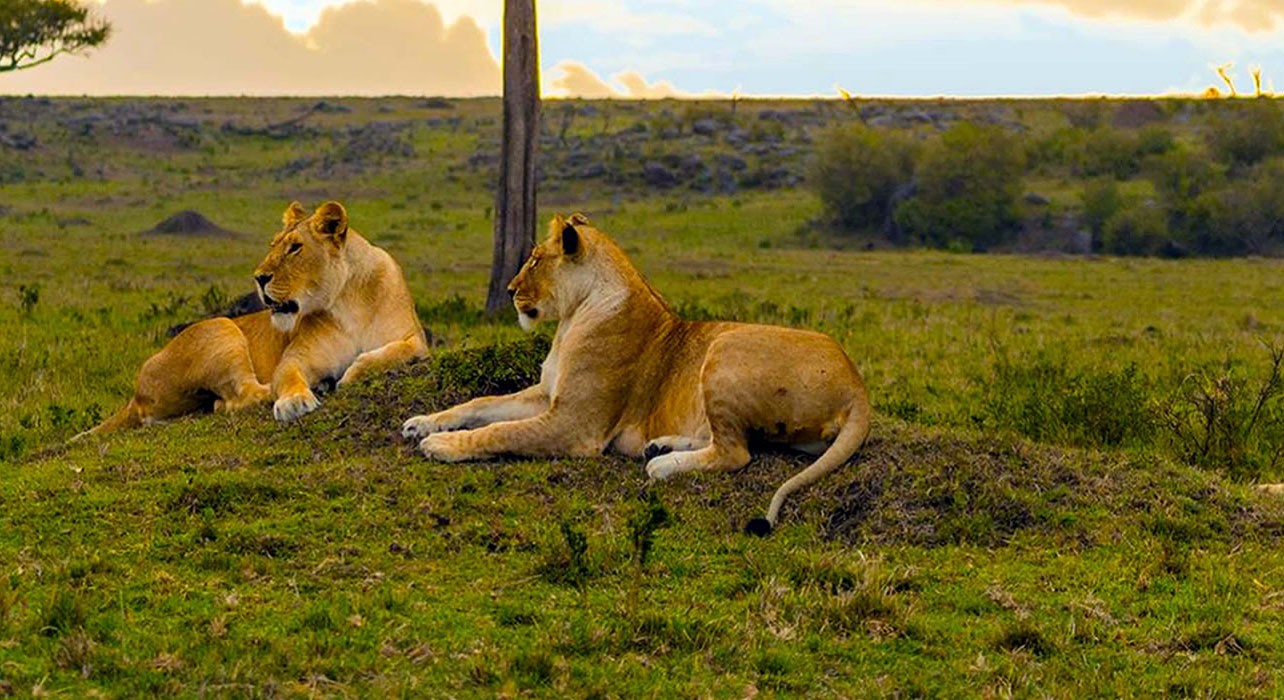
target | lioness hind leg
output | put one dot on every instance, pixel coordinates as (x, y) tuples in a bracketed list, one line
[(250, 392), (711, 458), (672, 443)]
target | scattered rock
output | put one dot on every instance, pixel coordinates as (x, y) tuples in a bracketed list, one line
[(327, 108), (1036, 199), (188, 223), (735, 163), (656, 175), (706, 127)]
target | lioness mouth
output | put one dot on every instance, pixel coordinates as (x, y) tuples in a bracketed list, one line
[(531, 312), (284, 307)]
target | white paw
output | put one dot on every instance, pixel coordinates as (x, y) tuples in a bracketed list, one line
[(438, 447), (287, 408), (662, 467), (422, 426)]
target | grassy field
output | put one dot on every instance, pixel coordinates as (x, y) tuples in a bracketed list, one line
[(1023, 522)]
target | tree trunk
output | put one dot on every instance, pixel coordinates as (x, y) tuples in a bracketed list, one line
[(515, 195)]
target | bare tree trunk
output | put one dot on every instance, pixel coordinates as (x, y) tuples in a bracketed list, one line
[(515, 196)]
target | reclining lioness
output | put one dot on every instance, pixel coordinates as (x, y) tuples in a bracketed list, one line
[(626, 373), (338, 307)]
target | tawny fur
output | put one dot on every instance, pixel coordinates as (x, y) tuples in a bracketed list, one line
[(352, 314), (625, 373)]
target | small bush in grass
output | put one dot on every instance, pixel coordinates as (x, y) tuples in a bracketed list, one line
[(1140, 230), (1048, 401), (968, 183), (856, 173), (1024, 635), (1228, 420), (63, 613)]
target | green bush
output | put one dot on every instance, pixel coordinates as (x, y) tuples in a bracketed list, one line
[(1141, 230), (968, 183), (1048, 401), (1246, 132), (1101, 200), (1230, 420), (856, 172), (1245, 216), (1113, 152)]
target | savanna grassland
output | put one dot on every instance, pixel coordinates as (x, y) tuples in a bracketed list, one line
[(1057, 500)]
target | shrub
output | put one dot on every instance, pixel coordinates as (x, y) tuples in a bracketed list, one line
[(968, 185), (1101, 200), (1225, 419), (1246, 216), (856, 173), (1245, 133), (1112, 152), (1061, 148), (1141, 230), (1047, 401)]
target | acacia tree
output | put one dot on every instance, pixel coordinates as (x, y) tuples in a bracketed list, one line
[(515, 194), (33, 32)]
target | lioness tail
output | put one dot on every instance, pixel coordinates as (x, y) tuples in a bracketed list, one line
[(127, 417), (849, 439)]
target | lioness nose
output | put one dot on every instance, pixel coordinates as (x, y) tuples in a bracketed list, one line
[(263, 280), (511, 292)]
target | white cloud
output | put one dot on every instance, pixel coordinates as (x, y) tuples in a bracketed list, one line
[(574, 79)]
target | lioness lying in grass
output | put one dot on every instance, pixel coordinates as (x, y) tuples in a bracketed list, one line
[(626, 373), (338, 307)]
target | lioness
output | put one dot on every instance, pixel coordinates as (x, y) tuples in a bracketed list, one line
[(338, 307), (626, 373)]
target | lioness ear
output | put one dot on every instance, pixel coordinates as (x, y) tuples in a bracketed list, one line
[(293, 214), (579, 219), (572, 244), (331, 220)]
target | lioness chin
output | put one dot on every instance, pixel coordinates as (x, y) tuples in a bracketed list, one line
[(337, 308), (625, 373)]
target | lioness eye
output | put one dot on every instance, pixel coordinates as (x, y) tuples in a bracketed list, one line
[(295, 247)]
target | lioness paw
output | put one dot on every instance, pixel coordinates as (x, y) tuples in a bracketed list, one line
[(662, 467), (423, 426), (442, 447), (287, 408)]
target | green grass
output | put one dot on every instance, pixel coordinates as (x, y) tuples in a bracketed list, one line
[(997, 536)]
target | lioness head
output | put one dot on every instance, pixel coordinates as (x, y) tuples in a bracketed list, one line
[(549, 276), (304, 268)]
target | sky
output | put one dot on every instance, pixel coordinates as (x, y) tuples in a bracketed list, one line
[(663, 48)]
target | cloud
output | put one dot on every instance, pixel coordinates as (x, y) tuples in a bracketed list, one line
[(574, 79), (224, 47), (1249, 15)]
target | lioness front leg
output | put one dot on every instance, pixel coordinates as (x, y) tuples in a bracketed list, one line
[(394, 353), (546, 435), (318, 348), (528, 403)]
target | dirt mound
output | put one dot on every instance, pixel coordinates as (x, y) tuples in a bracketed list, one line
[(189, 223), (910, 485)]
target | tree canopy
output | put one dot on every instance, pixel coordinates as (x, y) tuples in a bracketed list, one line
[(33, 32)]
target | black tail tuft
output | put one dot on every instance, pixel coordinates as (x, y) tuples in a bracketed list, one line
[(758, 527)]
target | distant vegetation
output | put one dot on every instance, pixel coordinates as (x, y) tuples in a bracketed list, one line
[(1152, 189)]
